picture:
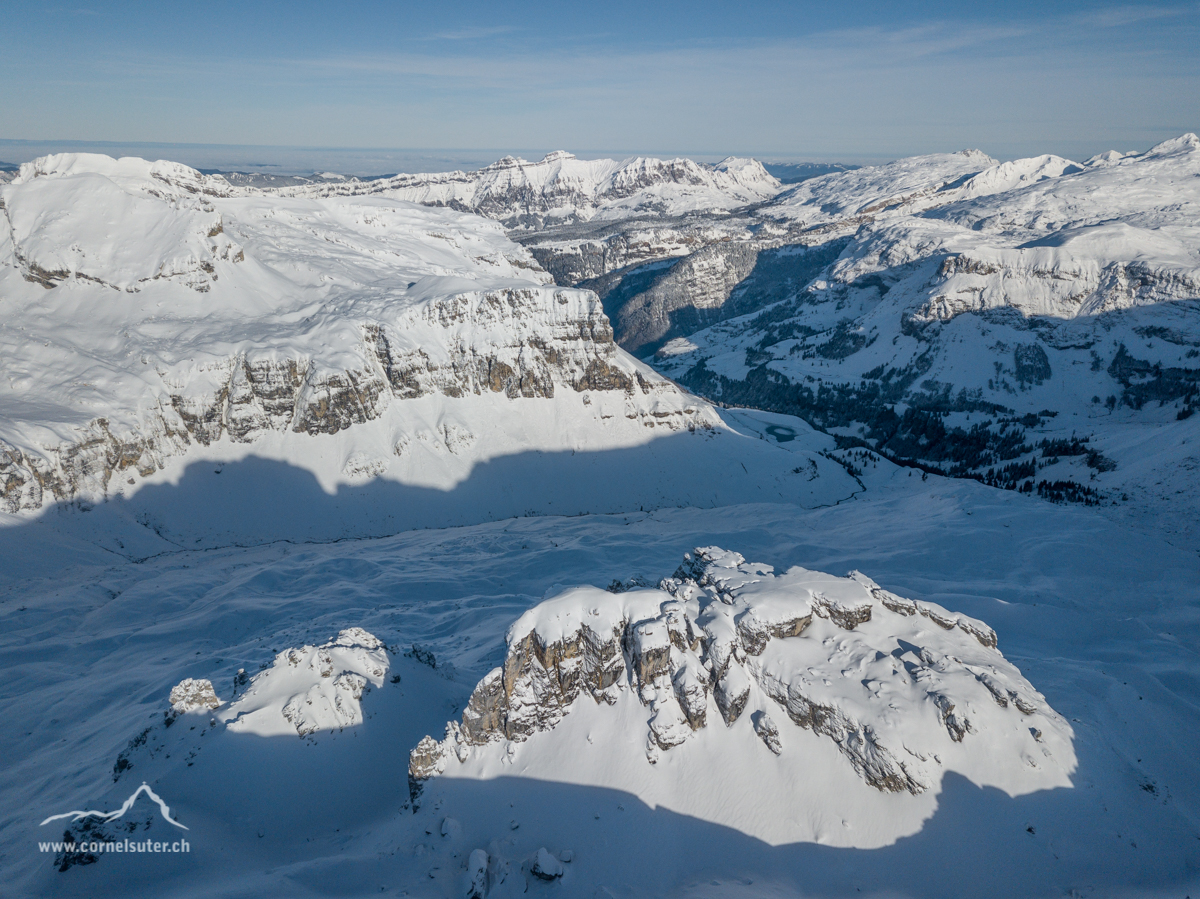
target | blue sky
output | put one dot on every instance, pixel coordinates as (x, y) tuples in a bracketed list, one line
[(849, 81)]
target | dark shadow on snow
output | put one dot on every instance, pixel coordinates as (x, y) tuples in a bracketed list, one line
[(281, 805), (257, 501)]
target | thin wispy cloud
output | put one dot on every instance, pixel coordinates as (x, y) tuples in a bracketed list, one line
[(898, 86), (472, 34), (1121, 16)]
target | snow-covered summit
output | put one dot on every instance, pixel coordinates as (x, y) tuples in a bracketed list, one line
[(1052, 238), (562, 188), (120, 223), (852, 196), (310, 688), (802, 690), (150, 177)]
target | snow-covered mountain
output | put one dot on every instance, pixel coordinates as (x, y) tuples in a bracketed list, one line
[(152, 317), (181, 671), (291, 482), (728, 661), (561, 188), (909, 185), (1033, 323)]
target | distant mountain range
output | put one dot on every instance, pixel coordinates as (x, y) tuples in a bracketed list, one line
[(1033, 324)]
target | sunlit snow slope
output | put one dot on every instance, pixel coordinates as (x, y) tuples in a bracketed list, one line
[(149, 319), (561, 188)]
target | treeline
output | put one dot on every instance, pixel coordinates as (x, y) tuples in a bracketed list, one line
[(1143, 382), (991, 451)]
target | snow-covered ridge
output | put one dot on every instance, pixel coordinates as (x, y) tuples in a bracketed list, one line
[(561, 188), (145, 312), (851, 197), (1044, 234), (1041, 290), (1058, 241), (726, 250), (732, 654)]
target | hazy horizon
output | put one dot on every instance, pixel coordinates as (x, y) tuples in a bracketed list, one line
[(796, 81), (375, 161)]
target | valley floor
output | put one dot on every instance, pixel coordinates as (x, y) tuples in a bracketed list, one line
[(1102, 619)]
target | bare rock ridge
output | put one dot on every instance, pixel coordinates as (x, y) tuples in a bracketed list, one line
[(904, 689)]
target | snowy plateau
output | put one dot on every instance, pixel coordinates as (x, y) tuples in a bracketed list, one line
[(602, 528)]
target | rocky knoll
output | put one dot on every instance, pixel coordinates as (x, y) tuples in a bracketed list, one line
[(904, 689), (311, 688)]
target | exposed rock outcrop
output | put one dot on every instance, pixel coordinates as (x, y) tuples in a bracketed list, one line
[(193, 695), (890, 681), (312, 688)]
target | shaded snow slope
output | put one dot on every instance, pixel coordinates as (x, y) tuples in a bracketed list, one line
[(561, 188), (1100, 619), (728, 661), (149, 316)]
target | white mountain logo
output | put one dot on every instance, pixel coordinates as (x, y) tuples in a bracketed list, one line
[(126, 806)]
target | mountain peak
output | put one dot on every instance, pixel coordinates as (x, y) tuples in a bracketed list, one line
[(1184, 143)]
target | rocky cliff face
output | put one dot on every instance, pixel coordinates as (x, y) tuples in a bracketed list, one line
[(682, 275), (968, 316), (554, 341), (903, 689), (215, 319)]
